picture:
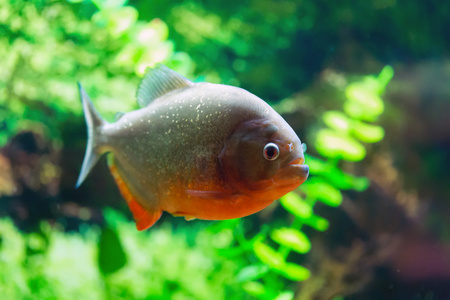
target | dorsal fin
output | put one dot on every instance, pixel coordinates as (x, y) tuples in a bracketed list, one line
[(158, 81)]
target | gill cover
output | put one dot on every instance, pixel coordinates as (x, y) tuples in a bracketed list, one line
[(242, 160)]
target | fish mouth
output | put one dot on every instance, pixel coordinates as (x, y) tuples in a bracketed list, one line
[(297, 168), (290, 176), (298, 161)]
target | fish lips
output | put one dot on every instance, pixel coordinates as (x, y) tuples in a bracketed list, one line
[(295, 173)]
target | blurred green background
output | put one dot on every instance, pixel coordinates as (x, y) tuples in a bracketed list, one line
[(365, 84)]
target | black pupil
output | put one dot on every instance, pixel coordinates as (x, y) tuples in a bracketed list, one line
[(270, 152)]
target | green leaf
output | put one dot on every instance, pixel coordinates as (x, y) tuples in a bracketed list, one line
[(254, 288), (384, 77), (111, 256), (334, 175), (367, 133), (363, 102), (317, 165), (117, 21), (244, 246), (251, 272), (318, 223), (268, 255), (286, 295), (156, 31), (341, 123), (156, 54), (322, 191), (36, 243), (129, 54), (335, 145), (295, 205), (122, 20), (295, 272), (360, 183), (109, 4), (337, 121), (291, 238)]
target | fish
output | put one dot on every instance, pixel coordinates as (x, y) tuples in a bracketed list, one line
[(195, 150)]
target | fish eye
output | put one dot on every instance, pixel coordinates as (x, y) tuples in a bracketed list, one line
[(271, 151)]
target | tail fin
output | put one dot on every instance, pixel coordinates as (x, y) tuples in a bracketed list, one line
[(94, 122)]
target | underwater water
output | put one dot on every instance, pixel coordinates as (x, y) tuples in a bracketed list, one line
[(365, 85)]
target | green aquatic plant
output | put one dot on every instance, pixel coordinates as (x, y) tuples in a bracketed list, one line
[(115, 262), (45, 47), (341, 139)]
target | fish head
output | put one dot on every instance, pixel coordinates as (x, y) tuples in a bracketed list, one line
[(264, 159)]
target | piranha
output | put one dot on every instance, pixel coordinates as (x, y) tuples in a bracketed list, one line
[(197, 150)]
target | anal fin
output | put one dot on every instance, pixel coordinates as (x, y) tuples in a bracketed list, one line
[(143, 217)]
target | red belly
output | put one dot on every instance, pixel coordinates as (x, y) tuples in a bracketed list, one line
[(213, 209)]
